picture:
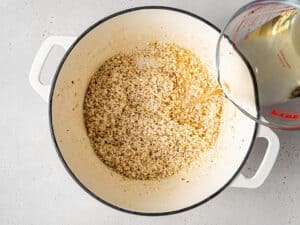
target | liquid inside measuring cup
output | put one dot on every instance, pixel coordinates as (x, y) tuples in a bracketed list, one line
[(268, 37)]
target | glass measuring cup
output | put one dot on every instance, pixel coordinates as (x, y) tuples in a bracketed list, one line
[(266, 35)]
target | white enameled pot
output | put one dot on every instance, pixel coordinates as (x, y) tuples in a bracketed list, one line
[(220, 167)]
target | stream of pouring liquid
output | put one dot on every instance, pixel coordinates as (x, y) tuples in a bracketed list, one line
[(273, 51)]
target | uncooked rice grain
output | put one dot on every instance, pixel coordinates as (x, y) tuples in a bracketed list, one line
[(152, 112)]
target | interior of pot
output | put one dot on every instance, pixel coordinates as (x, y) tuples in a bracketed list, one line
[(123, 32)]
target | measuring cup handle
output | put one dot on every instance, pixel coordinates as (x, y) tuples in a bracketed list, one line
[(266, 165), (39, 60)]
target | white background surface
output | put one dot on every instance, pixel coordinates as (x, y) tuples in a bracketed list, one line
[(34, 186)]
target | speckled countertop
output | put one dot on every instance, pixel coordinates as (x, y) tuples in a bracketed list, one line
[(36, 189)]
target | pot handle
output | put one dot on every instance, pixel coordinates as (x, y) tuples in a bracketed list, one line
[(39, 60), (266, 165)]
